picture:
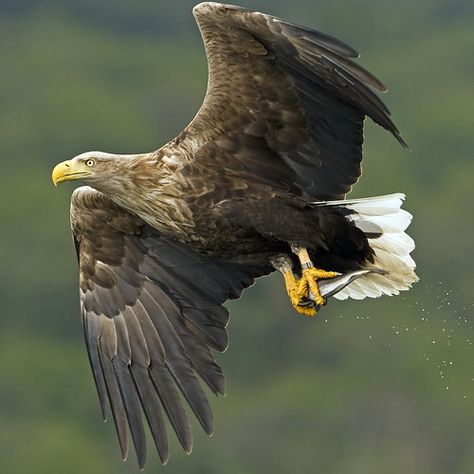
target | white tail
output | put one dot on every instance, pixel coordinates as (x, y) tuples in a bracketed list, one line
[(383, 217)]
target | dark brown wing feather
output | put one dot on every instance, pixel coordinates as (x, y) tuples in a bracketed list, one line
[(284, 104), (152, 311)]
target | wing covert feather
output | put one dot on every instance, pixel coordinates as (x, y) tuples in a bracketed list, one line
[(284, 103)]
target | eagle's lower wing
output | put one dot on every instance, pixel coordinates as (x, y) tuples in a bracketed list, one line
[(152, 311), (284, 103)]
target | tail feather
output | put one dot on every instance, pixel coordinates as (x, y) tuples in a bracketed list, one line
[(384, 222)]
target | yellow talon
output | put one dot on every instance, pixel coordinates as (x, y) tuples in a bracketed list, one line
[(298, 290), (309, 311), (312, 275)]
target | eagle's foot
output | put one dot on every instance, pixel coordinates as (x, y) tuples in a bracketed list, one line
[(296, 288), (309, 283), (304, 292), (298, 292)]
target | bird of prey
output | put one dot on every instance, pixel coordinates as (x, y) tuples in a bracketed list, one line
[(255, 183)]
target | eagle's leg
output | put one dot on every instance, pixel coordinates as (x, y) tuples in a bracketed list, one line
[(296, 288), (310, 276)]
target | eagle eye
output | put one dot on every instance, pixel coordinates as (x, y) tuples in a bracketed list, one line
[(90, 163)]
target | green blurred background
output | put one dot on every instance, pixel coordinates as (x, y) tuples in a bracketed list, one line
[(384, 386)]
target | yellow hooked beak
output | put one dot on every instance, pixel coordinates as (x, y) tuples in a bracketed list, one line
[(69, 170)]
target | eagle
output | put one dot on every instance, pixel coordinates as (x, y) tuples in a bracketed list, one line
[(256, 183)]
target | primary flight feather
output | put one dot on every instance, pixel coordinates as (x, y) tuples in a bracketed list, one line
[(255, 183)]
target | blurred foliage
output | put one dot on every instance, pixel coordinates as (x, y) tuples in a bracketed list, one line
[(383, 386)]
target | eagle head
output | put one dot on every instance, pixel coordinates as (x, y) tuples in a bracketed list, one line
[(93, 166)]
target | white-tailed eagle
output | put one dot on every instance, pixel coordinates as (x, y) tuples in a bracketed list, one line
[(255, 183)]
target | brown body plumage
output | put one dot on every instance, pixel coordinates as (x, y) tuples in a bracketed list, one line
[(165, 238)]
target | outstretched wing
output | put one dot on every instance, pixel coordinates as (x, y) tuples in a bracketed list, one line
[(152, 314), (283, 101)]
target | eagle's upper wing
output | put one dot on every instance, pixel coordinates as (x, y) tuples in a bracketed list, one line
[(152, 311), (283, 101)]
